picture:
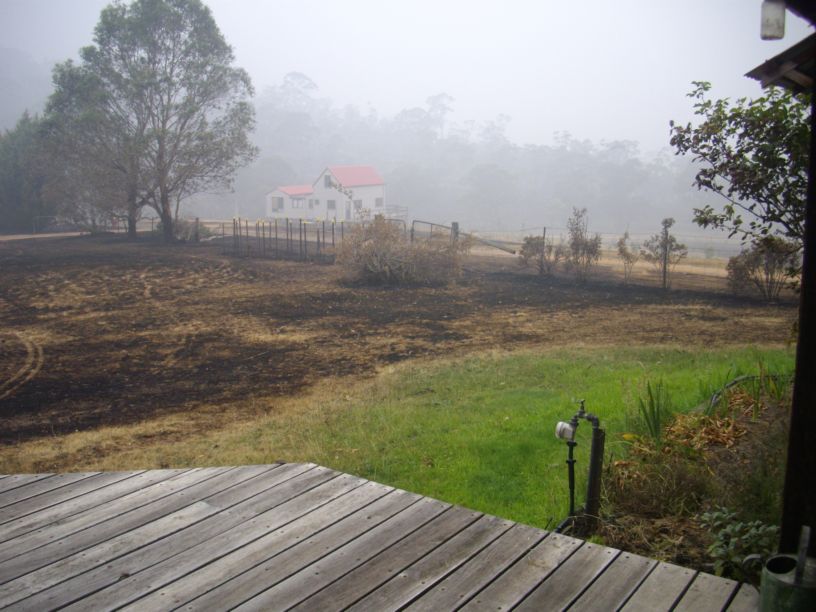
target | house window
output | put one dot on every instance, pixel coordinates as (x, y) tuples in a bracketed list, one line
[(297, 203), (277, 203), (327, 181), (311, 203), (331, 205), (317, 202), (378, 202), (358, 204)]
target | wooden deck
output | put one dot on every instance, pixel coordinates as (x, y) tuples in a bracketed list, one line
[(306, 537)]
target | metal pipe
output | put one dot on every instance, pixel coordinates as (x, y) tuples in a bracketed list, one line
[(593, 496)]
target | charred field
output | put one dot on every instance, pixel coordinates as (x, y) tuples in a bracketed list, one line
[(99, 331)]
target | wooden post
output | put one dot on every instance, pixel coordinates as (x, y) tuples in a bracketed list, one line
[(665, 258), (195, 231), (300, 238), (333, 224), (454, 232), (276, 237), (246, 231), (799, 494)]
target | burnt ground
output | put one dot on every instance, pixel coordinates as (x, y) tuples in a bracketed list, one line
[(98, 330)]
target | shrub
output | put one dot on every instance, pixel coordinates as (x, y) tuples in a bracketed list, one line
[(663, 251), (379, 253), (186, 230), (542, 253), (628, 254), (734, 540), (764, 268), (584, 250)]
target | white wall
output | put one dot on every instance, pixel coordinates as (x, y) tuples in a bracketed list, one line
[(344, 207)]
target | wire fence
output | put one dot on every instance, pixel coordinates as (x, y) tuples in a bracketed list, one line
[(319, 241), (296, 239)]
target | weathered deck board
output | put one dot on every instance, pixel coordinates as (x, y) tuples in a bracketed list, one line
[(57, 496), (338, 563), (18, 480), (68, 508), (521, 578), (482, 569), (746, 600), (15, 496), (662, 587), (305, 537), (707, 592)]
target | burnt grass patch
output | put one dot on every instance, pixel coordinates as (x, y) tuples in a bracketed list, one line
[(130, 330)]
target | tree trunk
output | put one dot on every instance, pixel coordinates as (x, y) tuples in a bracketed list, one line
[(166, 214), (132, 219), (133, 209)]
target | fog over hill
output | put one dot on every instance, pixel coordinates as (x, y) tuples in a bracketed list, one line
[(500, 116)]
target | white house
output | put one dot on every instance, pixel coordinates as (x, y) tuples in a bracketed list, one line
[(288, 201), (341, 193)]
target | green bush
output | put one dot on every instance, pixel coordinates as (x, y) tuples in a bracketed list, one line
[(764, 268), (734, 540)]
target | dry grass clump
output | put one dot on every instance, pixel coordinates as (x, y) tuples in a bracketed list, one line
[(733, 458), (380, 253)]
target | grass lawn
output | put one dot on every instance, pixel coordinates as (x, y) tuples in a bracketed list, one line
[(477, 431)]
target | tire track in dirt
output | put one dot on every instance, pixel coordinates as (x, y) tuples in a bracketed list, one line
[(183, 341), (31, 367)]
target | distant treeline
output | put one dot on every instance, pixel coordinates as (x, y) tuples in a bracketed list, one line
[(468, 172)]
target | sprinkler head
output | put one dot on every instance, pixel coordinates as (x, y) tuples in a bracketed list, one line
[(565, 431)]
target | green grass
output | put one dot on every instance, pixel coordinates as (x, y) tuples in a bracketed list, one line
[(479, 432)]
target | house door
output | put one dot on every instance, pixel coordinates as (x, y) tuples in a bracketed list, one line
[(348, 211)]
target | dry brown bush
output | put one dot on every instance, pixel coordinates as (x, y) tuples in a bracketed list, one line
[(380, 253)]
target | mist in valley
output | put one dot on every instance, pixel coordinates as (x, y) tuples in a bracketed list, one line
[(503, 117)]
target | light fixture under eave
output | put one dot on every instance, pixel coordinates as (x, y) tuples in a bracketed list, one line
[(773, 20)]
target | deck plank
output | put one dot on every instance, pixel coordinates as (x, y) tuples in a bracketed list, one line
[(661, 589), (570, 579), (367, 577), (76, 534), (353, 495), (251, 497), (435, 566), (63, 511), (522, 577), (302, 536), (614, 586), (12, 481), (280, 566), (20, 494), (54, 497), (56, 572), (468, 580), (706, 593), (312, 578), (298, 495), (746, 600)]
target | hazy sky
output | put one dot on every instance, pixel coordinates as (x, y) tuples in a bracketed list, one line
[(599, 69)]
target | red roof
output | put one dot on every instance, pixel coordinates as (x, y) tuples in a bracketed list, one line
[(356, 176), (296, 190)]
